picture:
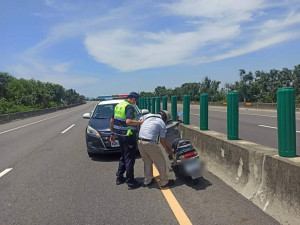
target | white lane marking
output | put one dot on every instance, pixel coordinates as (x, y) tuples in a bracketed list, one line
[(274, 127), (5, 171), (37, 122), (251, 114), (68, 129), (267, 126), (240, 113)]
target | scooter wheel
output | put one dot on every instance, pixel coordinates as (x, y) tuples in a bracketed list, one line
[(196, 180), (176, 171)]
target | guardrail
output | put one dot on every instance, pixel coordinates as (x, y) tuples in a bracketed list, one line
[(286, 108), (6, 118)]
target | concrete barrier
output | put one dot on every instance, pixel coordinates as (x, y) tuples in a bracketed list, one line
[(6, 118), (257, 172)]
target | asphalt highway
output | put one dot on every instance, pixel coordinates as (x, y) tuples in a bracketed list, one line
[(46, 177)]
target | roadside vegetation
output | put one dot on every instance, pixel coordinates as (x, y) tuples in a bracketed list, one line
[(252, 87), (19, 95)]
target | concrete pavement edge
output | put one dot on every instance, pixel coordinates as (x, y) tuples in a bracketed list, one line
[(257, 172), (6, 118)]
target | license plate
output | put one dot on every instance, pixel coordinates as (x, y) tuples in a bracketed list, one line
[(192, 166), (115, 144)]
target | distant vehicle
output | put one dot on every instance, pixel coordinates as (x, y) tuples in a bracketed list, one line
[(98, 128)]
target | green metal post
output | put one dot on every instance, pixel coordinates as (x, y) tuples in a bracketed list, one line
[(174, 107), (148, 104), (143, 103), (233, 116), (157, 104), (204, 111), (153, 105), (165, 102), (186, 109), (140, 102), (286, 122)]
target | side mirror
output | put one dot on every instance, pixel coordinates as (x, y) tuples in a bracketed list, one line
[(180, 114), (145, 111), (86, 116)]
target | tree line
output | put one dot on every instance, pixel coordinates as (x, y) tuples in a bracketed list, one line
[(259, 87), (18, 95)]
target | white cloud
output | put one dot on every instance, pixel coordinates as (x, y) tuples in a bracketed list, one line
[(251, 47), (213, 8), (47, 72), (49, 2), (120, 48), (275, 25), (219, 29), (62, 67), (206, 31)]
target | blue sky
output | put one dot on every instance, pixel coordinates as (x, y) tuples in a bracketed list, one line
[(102, 47)]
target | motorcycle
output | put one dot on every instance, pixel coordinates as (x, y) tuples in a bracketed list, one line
[(185, 161)]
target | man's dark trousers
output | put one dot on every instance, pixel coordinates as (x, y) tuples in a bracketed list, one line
[(127, 159)]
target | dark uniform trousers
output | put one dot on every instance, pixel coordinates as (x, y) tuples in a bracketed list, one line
[(127, 159)]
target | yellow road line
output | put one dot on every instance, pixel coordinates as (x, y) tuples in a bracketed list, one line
[(173, 203)]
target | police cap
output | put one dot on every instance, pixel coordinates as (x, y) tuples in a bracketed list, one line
[(134, 95)]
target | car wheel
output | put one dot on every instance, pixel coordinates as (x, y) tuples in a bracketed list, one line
[(91, 155)]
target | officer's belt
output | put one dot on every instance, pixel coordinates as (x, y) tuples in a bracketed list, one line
[(143, 139)]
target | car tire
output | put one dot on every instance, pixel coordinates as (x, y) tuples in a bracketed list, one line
[(91, 155)]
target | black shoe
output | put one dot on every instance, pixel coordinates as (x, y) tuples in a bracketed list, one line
[(169, 184), (135, 185), (120, 180), (147, 185)]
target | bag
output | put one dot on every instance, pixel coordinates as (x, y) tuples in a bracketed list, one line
[(180, 147)]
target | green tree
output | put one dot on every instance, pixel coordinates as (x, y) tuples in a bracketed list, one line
[(211, 87), (5, 79), (160, 91), (146, 94)]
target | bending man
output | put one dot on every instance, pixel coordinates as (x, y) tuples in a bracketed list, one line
[(154, 126)]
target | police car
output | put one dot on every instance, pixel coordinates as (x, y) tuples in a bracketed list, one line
[(98, 128)]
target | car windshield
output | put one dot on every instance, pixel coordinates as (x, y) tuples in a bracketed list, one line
[(104, 111)]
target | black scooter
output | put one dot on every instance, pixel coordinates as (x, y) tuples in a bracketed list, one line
[(186, 160)]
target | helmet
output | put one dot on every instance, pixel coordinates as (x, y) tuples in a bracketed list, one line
[(165, 115)]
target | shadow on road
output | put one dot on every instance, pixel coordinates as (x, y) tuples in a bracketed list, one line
[(201, 185), (109, 157), (106, 158)]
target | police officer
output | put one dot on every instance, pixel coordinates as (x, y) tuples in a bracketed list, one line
[(124, 125)]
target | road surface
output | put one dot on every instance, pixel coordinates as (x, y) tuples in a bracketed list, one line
[(46, 177)]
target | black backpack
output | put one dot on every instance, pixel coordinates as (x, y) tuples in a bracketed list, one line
[(182, 146)]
